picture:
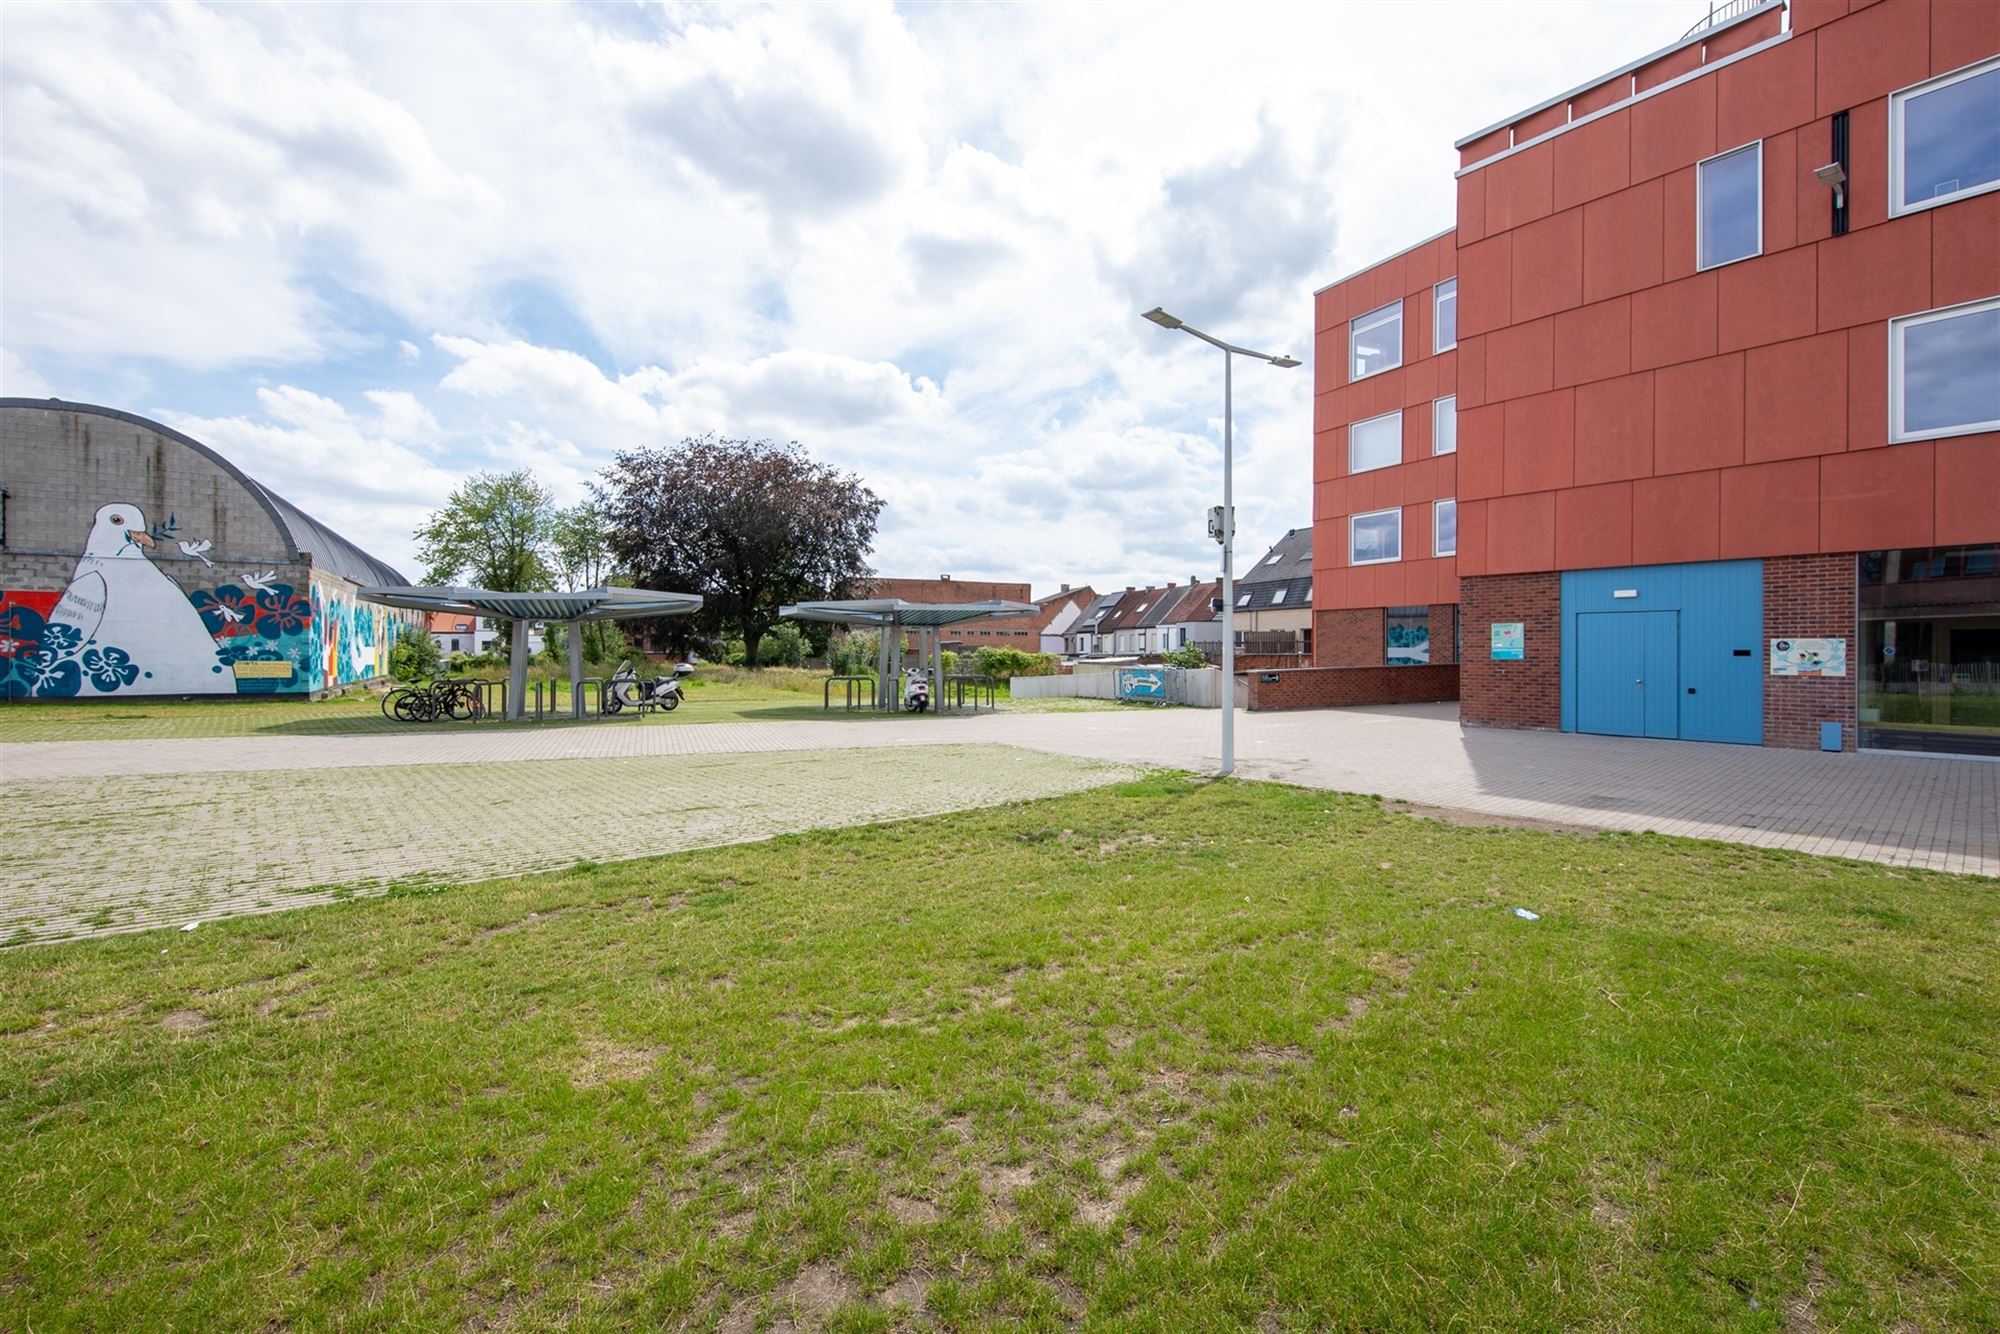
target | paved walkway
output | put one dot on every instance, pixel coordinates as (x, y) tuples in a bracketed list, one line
[(94, 853), (1904, 810)]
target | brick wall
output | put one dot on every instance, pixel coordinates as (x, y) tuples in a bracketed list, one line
[(1348, 637), (1342, 687), (1527, 693), (1444, 625), (1809, 597)]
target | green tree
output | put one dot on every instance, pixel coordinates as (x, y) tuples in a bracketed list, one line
[(748, 524), (494, 532), (783, 646), (580, 556)]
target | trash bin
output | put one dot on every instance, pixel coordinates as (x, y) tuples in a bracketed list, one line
[(1830, 737)]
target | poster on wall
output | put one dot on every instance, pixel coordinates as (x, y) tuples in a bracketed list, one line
[(1509, 641), (1407, 639), (1809, 657)]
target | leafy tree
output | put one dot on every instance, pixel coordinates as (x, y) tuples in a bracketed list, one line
[(749, 524), (493, 533), (580, 558), (1187, 655)]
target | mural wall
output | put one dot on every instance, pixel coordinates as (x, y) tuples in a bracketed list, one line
[(122, 626)]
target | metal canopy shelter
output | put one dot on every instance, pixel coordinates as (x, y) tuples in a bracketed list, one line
[(592, 604), (893, 616)]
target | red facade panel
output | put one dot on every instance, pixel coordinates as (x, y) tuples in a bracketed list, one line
[(1623, 242), (1614, 429), (1520, 533), (1674, 129), (1795, 399), (1968, 488), (1875, 50), (1520, 360), (1765, 300), (1877, 498), (1594, 526), (1877, 273), (1593, 342), (1771, 93), (1965, 248), (1674, 322), (1519, 189), (1770, 509), (1698, 415), (1540, 448), (1962, 33), (1676, 518), (1548, 265), (1592, 161)]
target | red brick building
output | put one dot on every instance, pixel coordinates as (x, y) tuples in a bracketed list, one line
[(1691, 426)]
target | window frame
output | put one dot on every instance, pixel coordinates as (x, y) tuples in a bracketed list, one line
[(1354, 332), (1900, 99), (1897, 327), (1700, 216), (1436, 404), (1353, 519), (1437, 300), (1397, 413), (1437, 526)]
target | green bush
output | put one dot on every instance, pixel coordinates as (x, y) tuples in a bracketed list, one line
[(414, 655), (852, 654), (782, 646), (1005, 662), (1187, 655)]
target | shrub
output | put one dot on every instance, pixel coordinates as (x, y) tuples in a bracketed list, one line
[(1187, 655), (852, 654), (414, 654), (1003, 662), (782, 646)]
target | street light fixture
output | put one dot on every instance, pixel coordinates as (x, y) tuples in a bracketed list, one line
[(1228, 535)]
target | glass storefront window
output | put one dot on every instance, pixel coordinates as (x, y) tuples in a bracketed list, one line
[(1929, 658)]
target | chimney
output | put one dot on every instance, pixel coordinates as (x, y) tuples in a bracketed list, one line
[(1130, 589), (1193, 579), (1065, 588)]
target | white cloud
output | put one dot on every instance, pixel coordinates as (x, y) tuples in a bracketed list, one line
[(915, 239), (19, 380)]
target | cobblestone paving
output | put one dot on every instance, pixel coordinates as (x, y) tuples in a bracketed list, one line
[(122, 851)]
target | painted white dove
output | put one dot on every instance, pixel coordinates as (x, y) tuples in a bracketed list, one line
[(228, 613), (261, 582), (117, 598), (196, 548)]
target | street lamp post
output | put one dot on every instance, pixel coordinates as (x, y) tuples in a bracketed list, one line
[(1229, 352)]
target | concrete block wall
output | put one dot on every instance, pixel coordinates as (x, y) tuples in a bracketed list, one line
[(1526, 693), (1810, 597)]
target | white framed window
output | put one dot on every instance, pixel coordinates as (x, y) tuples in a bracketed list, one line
[(1375, 443), (1444, 316), (1444, 528), (1444, 425), (1375, 341), (1944, 138), (1277, 596), (1375, 537), (1942, 372), (1243, 601), (1729, 206)]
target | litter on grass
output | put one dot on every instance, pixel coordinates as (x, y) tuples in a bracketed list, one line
[(191, 926), (1527, 916)]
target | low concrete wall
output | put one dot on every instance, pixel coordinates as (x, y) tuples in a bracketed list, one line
[(1196, 688), (1342, 687)]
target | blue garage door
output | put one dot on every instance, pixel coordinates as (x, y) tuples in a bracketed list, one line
[(1665, 651)]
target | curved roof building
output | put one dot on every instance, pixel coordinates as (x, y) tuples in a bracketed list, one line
[(136, 560)]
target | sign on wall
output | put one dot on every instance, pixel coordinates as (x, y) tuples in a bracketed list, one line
[(1809, 657), (1509, 641), (1149, 683)]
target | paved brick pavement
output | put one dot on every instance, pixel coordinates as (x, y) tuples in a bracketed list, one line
[(1904, 810), (121, 850)]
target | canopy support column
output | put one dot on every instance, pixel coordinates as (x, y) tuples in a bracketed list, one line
[(882, 684), (517, 671), (937, 670), (576, 669)]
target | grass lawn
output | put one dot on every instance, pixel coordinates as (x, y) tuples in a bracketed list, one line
[(717, 695), (1168, 1055)]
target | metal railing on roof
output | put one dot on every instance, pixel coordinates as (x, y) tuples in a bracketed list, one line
[(1722, 14)]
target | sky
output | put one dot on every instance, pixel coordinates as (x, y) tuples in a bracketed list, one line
[(367, 250)]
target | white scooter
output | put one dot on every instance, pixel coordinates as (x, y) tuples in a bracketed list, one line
[(916, 690), (627, 689)]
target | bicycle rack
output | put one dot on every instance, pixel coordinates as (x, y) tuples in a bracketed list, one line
[(860, 692), (986, 685)]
